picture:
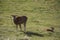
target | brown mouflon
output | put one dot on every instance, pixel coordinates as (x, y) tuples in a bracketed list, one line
[(20, 20)]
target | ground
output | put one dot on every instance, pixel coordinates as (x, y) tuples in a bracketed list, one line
[(42, 14)]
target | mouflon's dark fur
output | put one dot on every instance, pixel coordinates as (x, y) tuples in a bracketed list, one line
[(20, 20), (51, 30)]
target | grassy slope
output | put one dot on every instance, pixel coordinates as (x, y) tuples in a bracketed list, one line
[(41, 14)]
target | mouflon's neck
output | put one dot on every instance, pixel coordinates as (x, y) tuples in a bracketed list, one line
[(14, 18), (52, 28)]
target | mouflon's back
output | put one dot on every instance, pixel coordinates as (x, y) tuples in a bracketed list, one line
[(21, 19)]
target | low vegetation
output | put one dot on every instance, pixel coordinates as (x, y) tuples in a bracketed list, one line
[(42, 14)]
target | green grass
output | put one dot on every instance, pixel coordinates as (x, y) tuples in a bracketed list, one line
[(42, 14)]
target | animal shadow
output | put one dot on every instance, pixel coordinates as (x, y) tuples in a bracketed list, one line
[(33, 33)]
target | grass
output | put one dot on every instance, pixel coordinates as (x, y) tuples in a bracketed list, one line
[(41, 14)]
